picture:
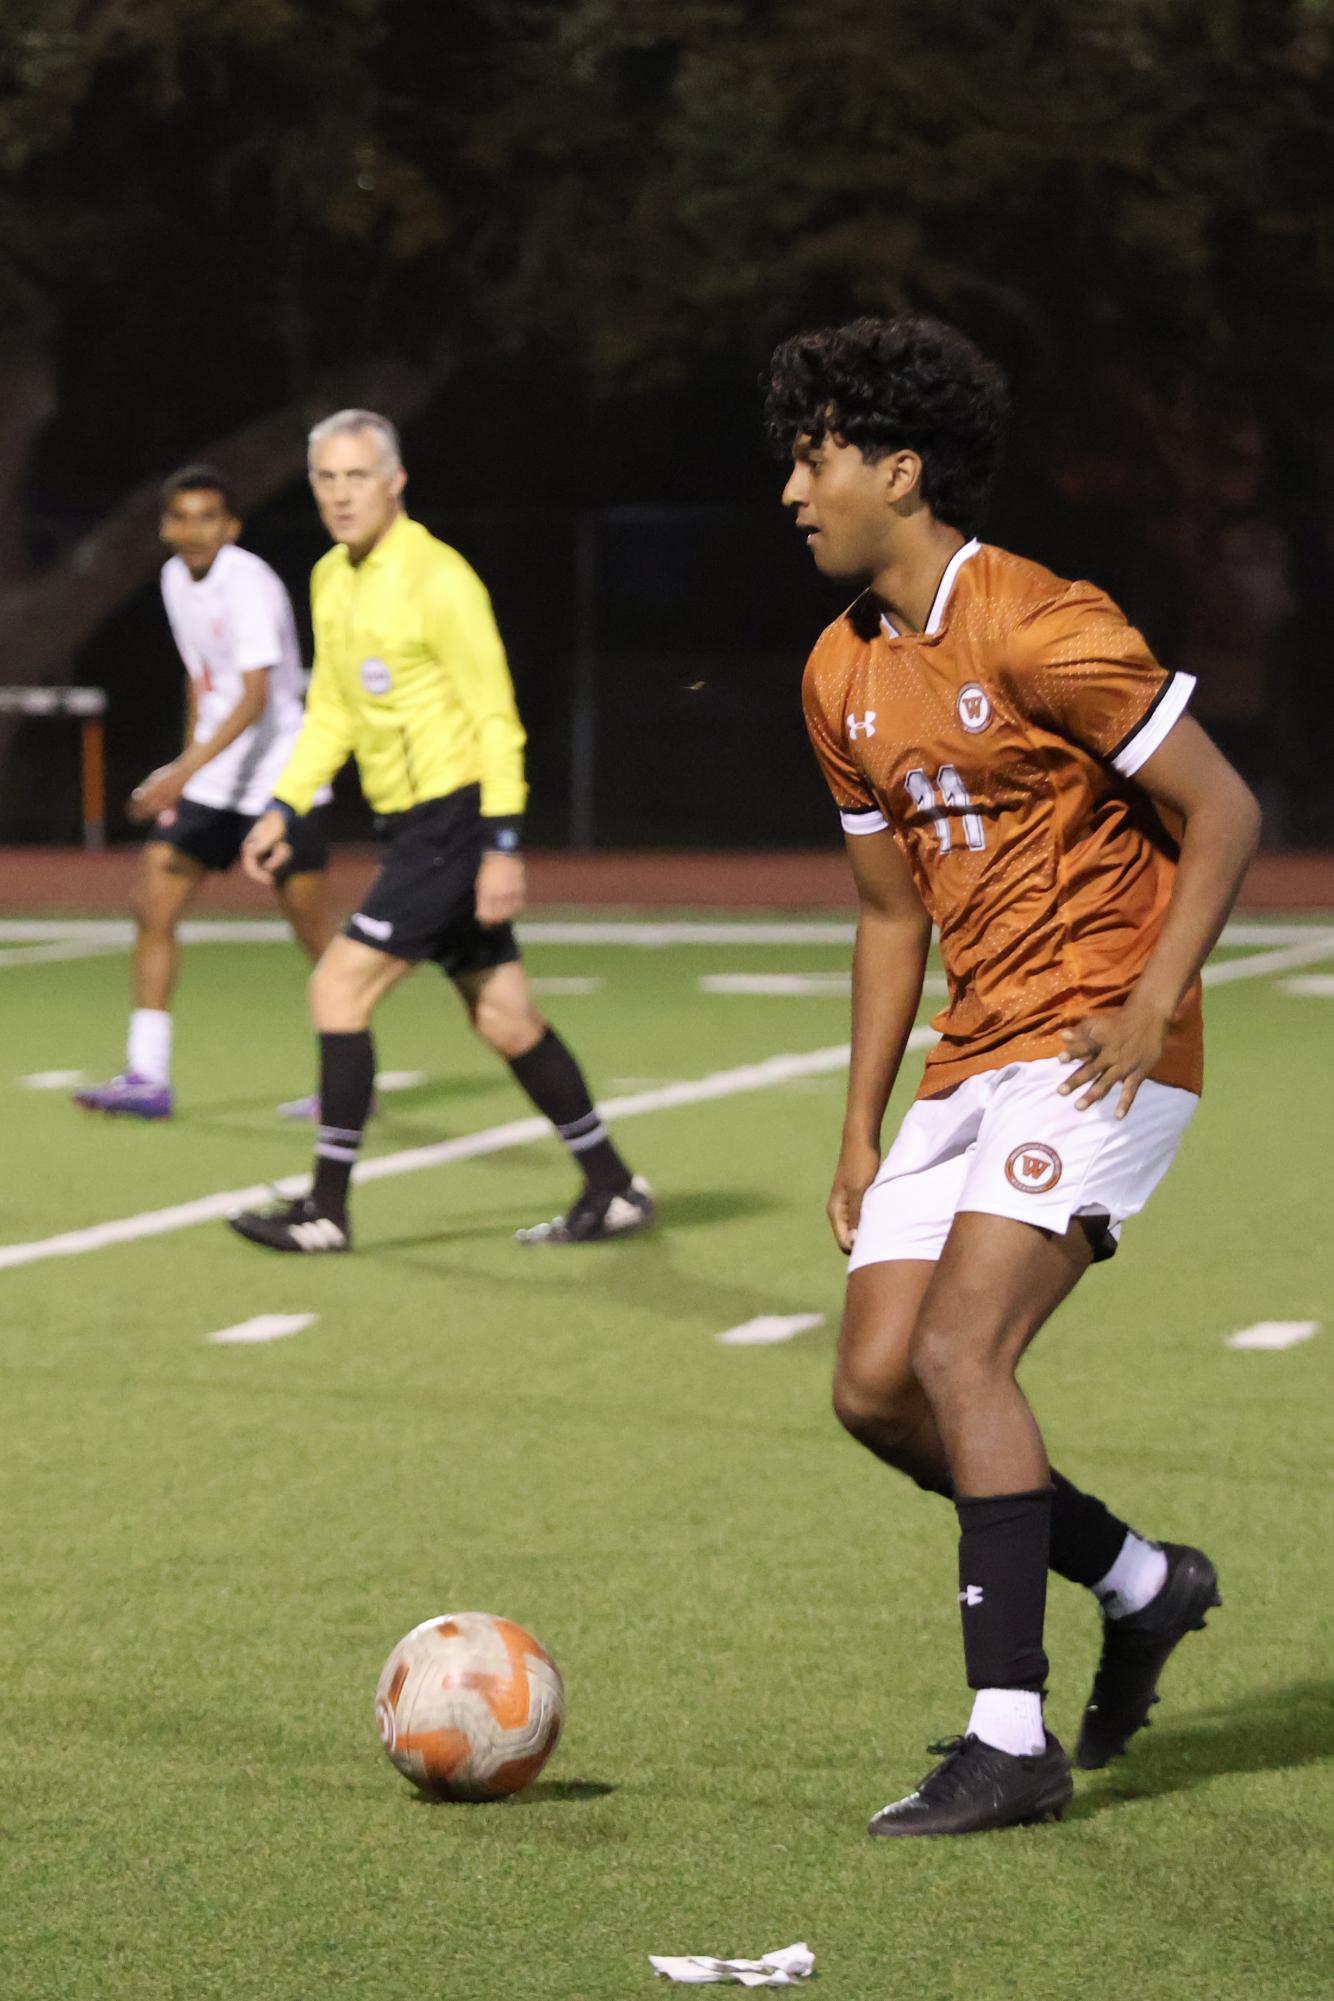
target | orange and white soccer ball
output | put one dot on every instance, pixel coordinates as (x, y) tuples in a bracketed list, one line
[(469, 1706)]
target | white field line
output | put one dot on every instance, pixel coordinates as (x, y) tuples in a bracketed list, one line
[(119, 932), (58, 951), (1309, 986), (1256, 965), (775, 1070)]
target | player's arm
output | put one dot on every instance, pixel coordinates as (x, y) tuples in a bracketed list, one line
[(163, 787), (463, 630), (1189, 778), (326, 740), (888, 962)]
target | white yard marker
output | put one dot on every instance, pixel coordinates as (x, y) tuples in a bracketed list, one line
[(1273, 1334), (264, 1327), (783, 985), (768, 1329), (399, 1080), (1309, 986), (52, 1080)]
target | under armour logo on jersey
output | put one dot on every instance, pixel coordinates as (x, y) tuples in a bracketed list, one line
[(971, 1594), (861, 725), (374, 927)]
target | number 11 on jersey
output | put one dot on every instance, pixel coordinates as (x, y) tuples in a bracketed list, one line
[(953, 796)]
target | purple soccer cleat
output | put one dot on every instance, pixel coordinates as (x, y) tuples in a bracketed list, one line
[(128, 1096)]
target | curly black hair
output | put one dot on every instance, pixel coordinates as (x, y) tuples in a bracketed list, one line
[(883, 385)]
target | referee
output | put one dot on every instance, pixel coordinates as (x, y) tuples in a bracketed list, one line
[(410, 678)]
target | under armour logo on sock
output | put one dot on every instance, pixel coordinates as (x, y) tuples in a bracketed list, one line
[(971, 1594)]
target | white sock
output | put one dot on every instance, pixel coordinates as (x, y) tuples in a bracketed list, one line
[(1010, 1719), (149, 1052), (1138, 1575)]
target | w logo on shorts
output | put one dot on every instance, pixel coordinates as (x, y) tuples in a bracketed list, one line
[(1033, 1169)]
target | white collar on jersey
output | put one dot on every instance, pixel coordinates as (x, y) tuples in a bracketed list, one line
[(944, 590)]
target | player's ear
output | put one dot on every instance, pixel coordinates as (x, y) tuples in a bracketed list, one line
[(902, 473), (398, 482)]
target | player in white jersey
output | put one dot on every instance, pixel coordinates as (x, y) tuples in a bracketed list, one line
[(233, 625)]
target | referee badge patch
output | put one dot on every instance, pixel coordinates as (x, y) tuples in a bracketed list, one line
[(375, 677)]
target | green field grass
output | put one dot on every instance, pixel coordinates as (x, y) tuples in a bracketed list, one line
[(208, 1551)]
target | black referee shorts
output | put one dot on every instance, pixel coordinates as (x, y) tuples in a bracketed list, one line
[(212, 836), (422, 904)]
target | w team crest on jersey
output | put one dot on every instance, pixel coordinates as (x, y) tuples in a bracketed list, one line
[(1033, 1169), (973, 707)]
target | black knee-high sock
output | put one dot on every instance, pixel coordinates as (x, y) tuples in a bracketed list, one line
[(555, 1083), (1003, 1548), (1086, 1537), (347, 1079)]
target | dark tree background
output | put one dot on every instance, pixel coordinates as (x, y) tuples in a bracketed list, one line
[(556, 238)]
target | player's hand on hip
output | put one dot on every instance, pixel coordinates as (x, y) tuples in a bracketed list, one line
[(1111, 1050), (500, 888), (858, 1165), (266, 847), (160, 790)]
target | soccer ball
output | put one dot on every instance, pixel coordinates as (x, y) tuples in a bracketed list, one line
[(469, 1706)]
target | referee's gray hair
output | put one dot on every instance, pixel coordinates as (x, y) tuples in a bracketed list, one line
[(347, 423)]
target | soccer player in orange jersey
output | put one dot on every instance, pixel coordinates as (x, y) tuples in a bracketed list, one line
[(1012, 764)]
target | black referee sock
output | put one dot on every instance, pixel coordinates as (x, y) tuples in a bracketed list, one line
[(555, 1083), (1004, 1544), (1086, 1537), (347, 1079)]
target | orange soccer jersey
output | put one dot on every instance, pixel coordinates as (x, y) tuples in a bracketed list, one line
[(999, 746)]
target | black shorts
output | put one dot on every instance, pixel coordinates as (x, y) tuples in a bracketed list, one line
[(212, 835), (422, 904)]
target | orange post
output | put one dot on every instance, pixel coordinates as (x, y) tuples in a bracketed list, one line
[(94, 785)]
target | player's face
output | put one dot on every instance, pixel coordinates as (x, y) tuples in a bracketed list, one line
[(843, 506), (197, 525), (356, 492)]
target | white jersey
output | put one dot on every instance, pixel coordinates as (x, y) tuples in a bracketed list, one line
[(235, 619)]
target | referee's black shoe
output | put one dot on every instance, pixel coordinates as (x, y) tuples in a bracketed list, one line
[(1134, 1649), (978, 1788), (296, 1226), (598, 1217)]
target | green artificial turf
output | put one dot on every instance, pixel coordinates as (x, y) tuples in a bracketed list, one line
[(208, 1551)]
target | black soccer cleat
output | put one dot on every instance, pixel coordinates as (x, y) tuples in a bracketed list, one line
[(1134, 1649), (978, 1788), (296, 1226), (595, 1219)]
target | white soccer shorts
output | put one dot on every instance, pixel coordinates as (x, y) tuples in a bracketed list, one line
[(1007, 1144)]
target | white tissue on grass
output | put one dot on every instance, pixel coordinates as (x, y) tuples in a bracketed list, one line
[(776, 1969)]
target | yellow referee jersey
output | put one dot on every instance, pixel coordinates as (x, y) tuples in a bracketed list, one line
[(410, 679)]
